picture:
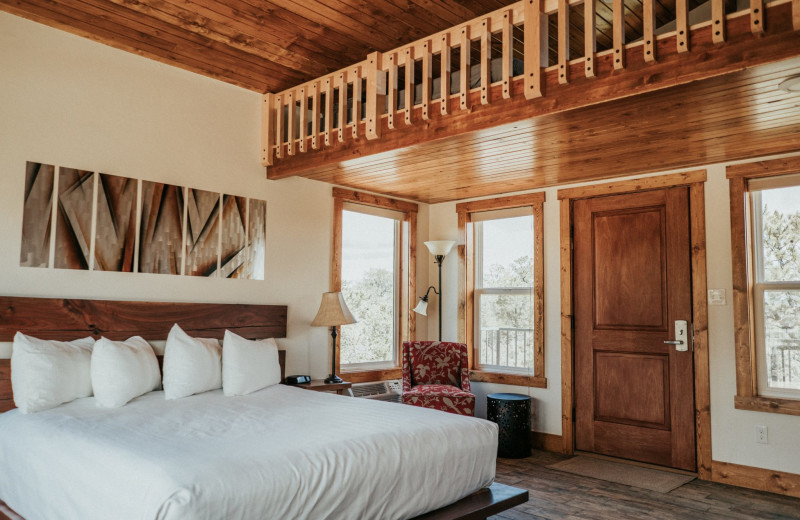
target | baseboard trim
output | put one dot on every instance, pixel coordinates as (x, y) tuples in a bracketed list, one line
[(760, 479), (546, 442)]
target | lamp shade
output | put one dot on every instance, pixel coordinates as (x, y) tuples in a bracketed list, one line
[(440, 247), (422, 307), (332, 311)]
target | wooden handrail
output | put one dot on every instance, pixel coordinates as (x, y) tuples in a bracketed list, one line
[(293, 120)]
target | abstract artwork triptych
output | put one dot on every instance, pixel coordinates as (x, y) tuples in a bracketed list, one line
[(138, 226)]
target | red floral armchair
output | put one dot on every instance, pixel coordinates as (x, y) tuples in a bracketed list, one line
[(436, 375)]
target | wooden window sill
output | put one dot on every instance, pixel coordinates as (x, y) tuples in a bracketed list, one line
[(366, 376), (768, 404), (480, 376)]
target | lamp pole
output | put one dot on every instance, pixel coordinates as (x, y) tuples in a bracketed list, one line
[(439, 259)]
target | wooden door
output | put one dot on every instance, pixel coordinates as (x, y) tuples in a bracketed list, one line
[(634, 394)]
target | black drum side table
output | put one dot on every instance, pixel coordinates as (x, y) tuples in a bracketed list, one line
[(512, 413)]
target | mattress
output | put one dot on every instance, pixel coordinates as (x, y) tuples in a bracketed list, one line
[(281, 452)]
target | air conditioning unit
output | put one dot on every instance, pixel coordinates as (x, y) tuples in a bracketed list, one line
[(389, 391)]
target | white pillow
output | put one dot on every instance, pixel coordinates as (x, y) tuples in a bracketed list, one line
[(45, 374), (248, 365), (122, 370), (191, 365)]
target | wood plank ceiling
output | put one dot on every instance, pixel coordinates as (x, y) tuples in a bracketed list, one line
[(266, 46), (272, 45)]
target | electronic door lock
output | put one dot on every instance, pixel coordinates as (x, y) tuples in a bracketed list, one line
[(682, 339)]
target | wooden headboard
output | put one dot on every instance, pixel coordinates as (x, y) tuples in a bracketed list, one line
[(62, 319)]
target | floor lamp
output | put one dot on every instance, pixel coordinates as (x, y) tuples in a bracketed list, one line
[(439, 249), (332, 313)]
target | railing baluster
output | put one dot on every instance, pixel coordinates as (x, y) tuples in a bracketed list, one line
[(427, 78), (315, 98), (392, 88), (796, 14), (464, 72), (717, 21), (590, 37), (356, 100), (267, 129), (279, 126), (619, 34), (534, 22), (486, 59), (508, 54), (376, 92), (301, 94), (328, 110), (497, 347), (342, 104), (444, 75), (563, 41), (682, 25), (649, 15), (291, 123), (409, 86), (757, 16)]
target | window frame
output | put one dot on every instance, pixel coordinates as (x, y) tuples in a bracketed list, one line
[(748, 396), (466, 289), (405, 322)]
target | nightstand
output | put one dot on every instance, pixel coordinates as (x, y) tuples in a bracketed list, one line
[(319, 385)]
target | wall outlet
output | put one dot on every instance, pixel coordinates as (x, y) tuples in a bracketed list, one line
[(762, 434)]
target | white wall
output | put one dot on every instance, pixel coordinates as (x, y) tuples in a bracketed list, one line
[(732, 431), (67, 101)]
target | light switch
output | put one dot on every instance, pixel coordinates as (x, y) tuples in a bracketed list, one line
[(717, 297)]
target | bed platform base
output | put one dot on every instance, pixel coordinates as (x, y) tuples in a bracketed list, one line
[(478, 506)]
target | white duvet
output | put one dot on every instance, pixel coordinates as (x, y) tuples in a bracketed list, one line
[(282, 453)]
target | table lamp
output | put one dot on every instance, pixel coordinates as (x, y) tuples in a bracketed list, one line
[(332, 313)]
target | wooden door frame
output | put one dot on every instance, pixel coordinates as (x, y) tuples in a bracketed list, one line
[(695, 181)]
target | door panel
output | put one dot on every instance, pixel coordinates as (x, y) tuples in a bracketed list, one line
[(619, 400), (629, 272), (634, 395)]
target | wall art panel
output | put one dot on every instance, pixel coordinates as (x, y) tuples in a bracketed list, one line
[(115, 234), (36, 216), (202, 233), (74, 218), (161, 228), (257, 240), (234, 236)]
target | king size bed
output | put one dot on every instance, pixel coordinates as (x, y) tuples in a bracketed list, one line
[(280, 452)]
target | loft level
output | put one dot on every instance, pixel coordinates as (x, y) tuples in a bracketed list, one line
[(513, 64)]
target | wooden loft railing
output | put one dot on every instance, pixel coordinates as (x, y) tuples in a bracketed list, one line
[(318, 119)]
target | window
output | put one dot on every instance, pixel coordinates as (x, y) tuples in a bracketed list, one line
[(372, 262), (776, 289), (370, 244), (503, 296), (501, 288), (765, 234)]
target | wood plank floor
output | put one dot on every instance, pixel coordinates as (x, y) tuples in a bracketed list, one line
[(558, 495)]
